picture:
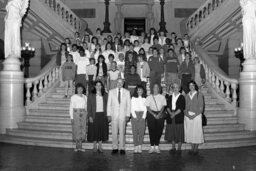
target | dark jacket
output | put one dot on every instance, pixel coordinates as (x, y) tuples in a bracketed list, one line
[(58, 58), (180, 104), (104, 67), (91, 105), (190, 68)]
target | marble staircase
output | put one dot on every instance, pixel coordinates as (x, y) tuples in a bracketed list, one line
[(49, 125)]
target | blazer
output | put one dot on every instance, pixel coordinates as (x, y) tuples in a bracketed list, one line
[(180, 104), (58, 58), (104, 67), (195, 105), (91, 105), (145, 69), (119, 112)]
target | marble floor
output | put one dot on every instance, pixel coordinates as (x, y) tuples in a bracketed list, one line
[(29, 158)]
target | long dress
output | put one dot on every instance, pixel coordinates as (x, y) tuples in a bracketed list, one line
[(78, 112)]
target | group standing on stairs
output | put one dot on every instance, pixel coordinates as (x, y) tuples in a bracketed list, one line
[(117, 73)]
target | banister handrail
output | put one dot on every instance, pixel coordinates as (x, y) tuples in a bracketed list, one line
[(44, 71), (222, 85), (202, 12), (207, 59), (64, 12), (36, 87)]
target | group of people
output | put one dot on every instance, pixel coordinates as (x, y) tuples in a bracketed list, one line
[(151, 57), (116, 89)]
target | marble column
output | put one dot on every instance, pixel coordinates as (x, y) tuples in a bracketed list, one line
[(106, 28), (247, 81), (12, 108), (162, 21), (150, 16), (118, 19)]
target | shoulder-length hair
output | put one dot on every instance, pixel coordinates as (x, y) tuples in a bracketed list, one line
[(193, 82), (135, 94), (63, 44), (80, 85), (102, 88)]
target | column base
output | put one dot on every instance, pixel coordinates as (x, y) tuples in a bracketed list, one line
[(12, 108), (247, 96), (9, 117)]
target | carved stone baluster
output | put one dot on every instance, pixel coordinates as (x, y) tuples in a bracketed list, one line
[(148, 87), (35, 95), (63, 13), (217, 83), (57, 72), (210, 76), (213, 80), (67, 16), (54, 5), (75, 23), (50, 79), (227, 91), (209, 8), (45, 83), (58, 9), (71, 20), (206, 72), (234, 94), (213, 5), (222, 88), (40, 93), (28, 94), (191, 22), (53, 75)]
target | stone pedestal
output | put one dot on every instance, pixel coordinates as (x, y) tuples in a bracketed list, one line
[(12, 108), (247, 94)]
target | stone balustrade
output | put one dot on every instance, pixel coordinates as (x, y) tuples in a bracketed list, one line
[(64, 12), (202, 12), (223, 85), (37, 86)]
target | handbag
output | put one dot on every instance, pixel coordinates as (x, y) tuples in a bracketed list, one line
[(204, 119), (162, 114)]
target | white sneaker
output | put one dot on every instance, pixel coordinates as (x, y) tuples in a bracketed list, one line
[(157, 150), (75, 150), (151, 150), (139, 149)]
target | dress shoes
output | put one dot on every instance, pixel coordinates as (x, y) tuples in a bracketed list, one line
[(115, 151)]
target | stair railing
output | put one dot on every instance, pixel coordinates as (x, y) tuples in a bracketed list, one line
[(64, 12), (202, 12), (38, 86), (223, 86)]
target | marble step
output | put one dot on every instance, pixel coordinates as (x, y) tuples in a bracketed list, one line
[(61, 120), (129, 146), (67, 127), (65, 113), (56, 106), (129, 137)]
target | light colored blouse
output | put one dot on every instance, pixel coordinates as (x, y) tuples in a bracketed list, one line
[(77, 102), (139, 105), (157, 104), (174, 100), (99, 103)]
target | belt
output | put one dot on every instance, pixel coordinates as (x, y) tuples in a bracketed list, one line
[(79, 110)]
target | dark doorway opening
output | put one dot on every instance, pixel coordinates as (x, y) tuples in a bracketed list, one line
[(137, 24)]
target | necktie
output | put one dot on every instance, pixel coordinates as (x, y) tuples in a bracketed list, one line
[(119, 95)]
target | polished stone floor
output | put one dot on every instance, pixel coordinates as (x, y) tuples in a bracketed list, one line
[(29, 158)]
